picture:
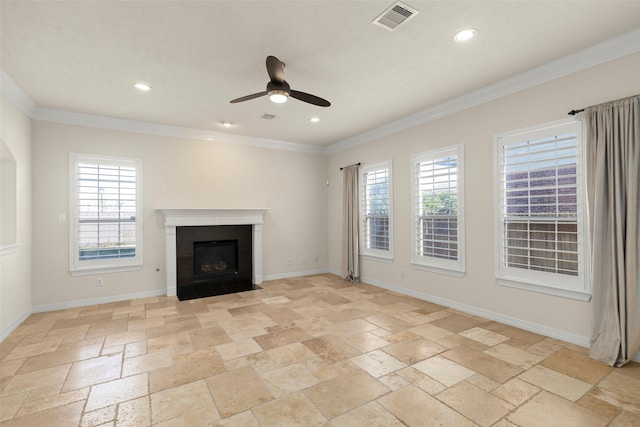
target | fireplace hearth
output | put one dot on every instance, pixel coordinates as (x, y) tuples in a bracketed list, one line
[(213, 260)]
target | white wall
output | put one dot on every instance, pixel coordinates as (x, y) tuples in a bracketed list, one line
[(475, 128), (176, 173), (15, 267)]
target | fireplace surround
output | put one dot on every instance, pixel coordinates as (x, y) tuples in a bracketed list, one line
[(200, 217)]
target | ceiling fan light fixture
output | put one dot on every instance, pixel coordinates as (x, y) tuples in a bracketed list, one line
[(465, 35), (278, 96), (314, 119)]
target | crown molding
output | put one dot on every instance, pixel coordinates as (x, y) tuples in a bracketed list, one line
[(112, 123), (15, 94), (612, 49)]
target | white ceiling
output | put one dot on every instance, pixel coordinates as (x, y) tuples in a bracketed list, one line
[(84, 56)]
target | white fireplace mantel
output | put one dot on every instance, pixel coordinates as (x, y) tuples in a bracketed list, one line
[(182, 217)]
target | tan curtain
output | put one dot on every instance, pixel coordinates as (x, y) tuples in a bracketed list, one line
[(350, 212), (613, 190)]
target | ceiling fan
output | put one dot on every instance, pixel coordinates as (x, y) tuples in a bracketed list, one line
[(278, 89)]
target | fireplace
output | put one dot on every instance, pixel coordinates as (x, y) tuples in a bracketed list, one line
[(194, 233), (213, 260)]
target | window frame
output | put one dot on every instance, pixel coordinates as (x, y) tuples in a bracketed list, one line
[(376, 254), (79, 267), (450, 267), (575, 287)]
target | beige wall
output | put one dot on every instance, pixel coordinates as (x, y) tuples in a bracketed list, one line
[(475, 128), (176, 173), (15, 268)]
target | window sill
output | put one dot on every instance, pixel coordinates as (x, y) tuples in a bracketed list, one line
[(6, 249), (534, 287), (377, 258), (439, 270), (104, 270)]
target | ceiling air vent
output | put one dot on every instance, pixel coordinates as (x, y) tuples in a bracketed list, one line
[(267, 116), (395, 15)]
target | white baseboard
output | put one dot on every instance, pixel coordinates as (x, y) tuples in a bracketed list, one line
[(96, 301), (269, 277), (12, 327), (487, 314)]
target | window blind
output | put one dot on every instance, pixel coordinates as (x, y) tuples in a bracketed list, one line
[(540, 204), (106, 211), (375, 207)]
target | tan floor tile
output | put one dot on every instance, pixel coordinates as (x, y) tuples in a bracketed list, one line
[(475, 403), (244, 419), (422, 381), (93, 371), (134, 413), (371, 415), (444, 370), (289, 379), (67, 415), (203, 416), (261, 362), (329, 371), (99, 417), (236, 349), (185, 371), (390, 323), (487, 384), (394, 381), (178, 343), (340, 316), (367, 341), (549, 410), (28, 350), (77, 332), (544, 348), (60, 357), (484, 336), (290, 411), (516, 391), (431, 332), (413, 351), (231, 394), (621, 390), (180, 400), (9, 405), (110, 327), (626, 419), (377, 363), (147, 362), (280, 338), (53, 401), (513, 355), (290, 354), (555, 382), (36, 379), (598, 406), (416, 408), (117, 391), (332, 349), (513, 332), (135, 349), (457, 322), (10, 367), (496, 369), (43, 392), (577, 365), (335, 397)]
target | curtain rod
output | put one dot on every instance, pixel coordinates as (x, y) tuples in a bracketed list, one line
[(574, 112), (355, 164)]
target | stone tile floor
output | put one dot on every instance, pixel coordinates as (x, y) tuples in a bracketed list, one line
[(311, 351)]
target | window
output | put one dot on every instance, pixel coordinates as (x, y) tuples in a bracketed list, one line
[(540, 227), (376, 210), (105, 214), (438, 210)]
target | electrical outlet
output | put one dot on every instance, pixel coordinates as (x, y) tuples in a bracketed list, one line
[(99, 281), (289, 262), (402, 272)]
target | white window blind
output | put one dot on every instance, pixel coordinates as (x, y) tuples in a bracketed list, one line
[(106, 226), (375, 210), (540, 207), (438, 234)]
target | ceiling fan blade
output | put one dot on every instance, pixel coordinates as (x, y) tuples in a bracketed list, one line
[(311, 99), (248, 97), (275, 68)]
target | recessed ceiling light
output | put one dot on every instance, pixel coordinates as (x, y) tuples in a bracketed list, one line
[(142, 86), (314, 119), (226, 124), (465, 35)]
